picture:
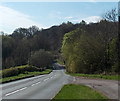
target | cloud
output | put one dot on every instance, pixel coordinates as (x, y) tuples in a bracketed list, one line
[(69, 17), (93, 19), (11, 19), (59, 15), (74, 19), (90, 19), (92, 1)]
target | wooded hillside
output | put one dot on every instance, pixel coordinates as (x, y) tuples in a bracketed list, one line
[(92, 49), (83, 48)]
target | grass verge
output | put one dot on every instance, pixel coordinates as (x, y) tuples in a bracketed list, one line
[(73, 91), (25, 75), (110, 77)]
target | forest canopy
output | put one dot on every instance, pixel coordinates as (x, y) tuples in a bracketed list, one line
[(84, 48)]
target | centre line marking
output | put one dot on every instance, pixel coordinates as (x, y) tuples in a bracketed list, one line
[(32, 84), (38, 83), (46, 79), (74, 79), (35, 83), (15, 91)]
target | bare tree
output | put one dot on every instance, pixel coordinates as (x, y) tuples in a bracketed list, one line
[(111, 15)]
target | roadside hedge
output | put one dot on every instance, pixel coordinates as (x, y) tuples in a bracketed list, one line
[(14, 71)]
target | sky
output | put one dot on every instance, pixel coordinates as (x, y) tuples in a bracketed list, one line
[(46, 14)]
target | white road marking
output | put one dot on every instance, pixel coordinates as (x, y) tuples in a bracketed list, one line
[(46, 79), (38, 83), (35, 83), (15, 91), (32, 84), (74, 79)]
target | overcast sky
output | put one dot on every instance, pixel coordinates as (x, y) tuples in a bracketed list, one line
[(45, 14)]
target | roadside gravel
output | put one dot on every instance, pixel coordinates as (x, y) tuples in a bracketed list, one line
[(107, 87)]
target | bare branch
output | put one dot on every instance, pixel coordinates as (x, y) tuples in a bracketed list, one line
[(111, 15)]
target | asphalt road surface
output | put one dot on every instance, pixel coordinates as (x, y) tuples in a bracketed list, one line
[(47, 86), (40, 87)]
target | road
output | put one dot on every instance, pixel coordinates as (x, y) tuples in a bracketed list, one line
[(107, 87), (40, 87), (47, 86)]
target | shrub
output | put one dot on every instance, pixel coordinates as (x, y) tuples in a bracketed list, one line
[(10, 72), (14, 71), (29, 69), (41, 59), (82, 52), (115, 68)]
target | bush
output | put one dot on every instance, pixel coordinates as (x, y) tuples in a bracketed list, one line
[(41, 59), (82, 52), (14, 71), (115, 67), (10, 72), (29, 69)]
